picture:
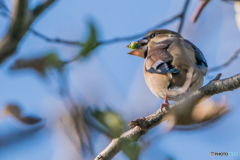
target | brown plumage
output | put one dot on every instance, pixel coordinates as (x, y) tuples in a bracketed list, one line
[(168, 59)]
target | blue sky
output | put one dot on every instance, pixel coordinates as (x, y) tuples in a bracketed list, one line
[(111, 76)]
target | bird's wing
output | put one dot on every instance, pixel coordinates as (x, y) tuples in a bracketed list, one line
[(158, 59), (201, 61)]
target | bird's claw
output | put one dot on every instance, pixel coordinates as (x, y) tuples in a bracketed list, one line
[(165, 104)]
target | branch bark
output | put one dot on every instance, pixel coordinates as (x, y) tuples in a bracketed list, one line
[(182, 16), (41, 8), (22, 19), (213, 87), (199, 10)]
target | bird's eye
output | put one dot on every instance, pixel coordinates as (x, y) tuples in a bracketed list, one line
[(153, 35)]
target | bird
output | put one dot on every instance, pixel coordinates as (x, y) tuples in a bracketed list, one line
[(173, 68)]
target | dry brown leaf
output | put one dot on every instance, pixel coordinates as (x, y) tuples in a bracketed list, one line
[(16, 112), (208, 110)]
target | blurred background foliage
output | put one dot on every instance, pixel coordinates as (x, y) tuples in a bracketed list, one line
[(95, 91)]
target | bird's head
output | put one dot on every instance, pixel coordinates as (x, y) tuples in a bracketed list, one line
[(139, 48)]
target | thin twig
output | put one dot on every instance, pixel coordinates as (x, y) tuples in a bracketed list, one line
[(41, 8), (110, 41), (199, 10), (76, 114), (56, 40), (120, 39), (228, 62), (182, 16), (128, 38)]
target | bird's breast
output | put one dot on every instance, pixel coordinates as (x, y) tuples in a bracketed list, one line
[(157, 83)]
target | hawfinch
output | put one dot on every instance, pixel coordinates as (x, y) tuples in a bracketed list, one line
[(171, 63)]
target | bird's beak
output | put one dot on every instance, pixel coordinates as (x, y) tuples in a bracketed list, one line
[(139, 51), (143, 41)]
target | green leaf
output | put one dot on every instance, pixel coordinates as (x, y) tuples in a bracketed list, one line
[(111, 121), (91, 42), (51, 59), (40, 65)]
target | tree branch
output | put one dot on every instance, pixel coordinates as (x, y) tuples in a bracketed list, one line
[(38, 10), (56, 40), (9, 43), (182, 16), (110, 41), (22, 19), (180, 107), (120, 39), (41, 8), (228, 62), (199, 10)]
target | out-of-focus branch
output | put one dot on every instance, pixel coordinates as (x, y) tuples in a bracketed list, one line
[(182, 16), (110, 41), (199, 10), (41, 8), (181, 108), (22, 19), (203, 4), (56, 40), (38, 10), (121, 39), (32, 124), (17, 29), (228, 62)]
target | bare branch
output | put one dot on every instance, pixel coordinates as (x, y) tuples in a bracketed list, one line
[(17, 29), (56, 40), (182, 16), (228, 62), (41, 8), (22, 19), (114, 40), (110, 41), (199, 10), (132, 135), (128, 38)]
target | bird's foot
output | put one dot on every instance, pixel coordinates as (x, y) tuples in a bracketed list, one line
[(142, 123), (165, 104)]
